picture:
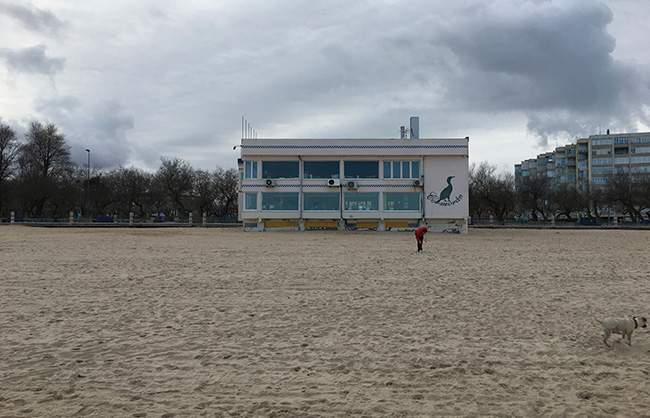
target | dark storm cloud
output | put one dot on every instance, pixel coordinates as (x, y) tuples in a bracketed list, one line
[(31, 60), (100, 126), (500, 70), (552, 61), (32, 18)]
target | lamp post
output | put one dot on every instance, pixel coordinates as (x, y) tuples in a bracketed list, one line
[(88, 187)]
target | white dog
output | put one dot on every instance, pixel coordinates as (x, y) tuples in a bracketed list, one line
[(625, 327)]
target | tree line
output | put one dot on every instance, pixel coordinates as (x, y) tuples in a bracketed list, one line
[(38, 178), (537, 198)]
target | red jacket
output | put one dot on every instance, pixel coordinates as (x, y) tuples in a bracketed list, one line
[(419, 233)]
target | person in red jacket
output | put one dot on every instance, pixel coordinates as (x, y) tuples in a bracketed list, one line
[(420, 235)]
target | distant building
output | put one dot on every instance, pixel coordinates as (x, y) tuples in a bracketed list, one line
[(344, 184), (589, 162)]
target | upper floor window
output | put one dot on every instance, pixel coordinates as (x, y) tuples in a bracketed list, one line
[(321, 169), (280, 169), (250, 169), (361, 169), (401, 169), (601, 161)]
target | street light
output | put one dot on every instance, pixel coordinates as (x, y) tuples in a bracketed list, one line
[(88, 188)]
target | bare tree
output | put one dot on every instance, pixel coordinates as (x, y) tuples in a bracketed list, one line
[(43, 161), (130, 187), (533, 196), (226, 182), (565, 200), (46, 153), (177, 176), (9, 148), (205, 191), (490, 193), (643, 190), (623, 194)]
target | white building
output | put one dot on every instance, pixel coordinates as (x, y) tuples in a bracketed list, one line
[(354, 184)]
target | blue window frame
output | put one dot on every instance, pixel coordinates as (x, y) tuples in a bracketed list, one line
[(250, 169), (250, 201)]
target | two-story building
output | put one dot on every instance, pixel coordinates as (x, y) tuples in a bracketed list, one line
[(380, 184)]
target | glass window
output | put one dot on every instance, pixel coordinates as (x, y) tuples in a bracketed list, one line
[(280, 169), (361, 169), (406, 169), (321, 201), (401, 169), (279, 201), (250, 201), (402, 201), (321, 169), (415, 169), (397, 172), (361, 201), (250, 169)]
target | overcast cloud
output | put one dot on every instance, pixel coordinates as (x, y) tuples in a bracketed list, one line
[(134, 81)]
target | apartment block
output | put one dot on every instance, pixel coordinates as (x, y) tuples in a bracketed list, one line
[(589, 162)]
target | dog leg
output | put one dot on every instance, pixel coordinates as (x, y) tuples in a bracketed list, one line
[(606, 337)]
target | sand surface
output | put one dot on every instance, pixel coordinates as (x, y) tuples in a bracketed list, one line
[(213, 322)]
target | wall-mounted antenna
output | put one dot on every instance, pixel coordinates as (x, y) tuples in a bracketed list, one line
[(247, 131)]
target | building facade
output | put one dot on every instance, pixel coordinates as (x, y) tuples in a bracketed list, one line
[(382, 184), (589, 162)]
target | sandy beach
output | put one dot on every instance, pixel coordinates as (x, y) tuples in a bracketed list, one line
[(186, 322)]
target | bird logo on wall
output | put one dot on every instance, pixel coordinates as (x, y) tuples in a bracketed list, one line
[(444, 198)]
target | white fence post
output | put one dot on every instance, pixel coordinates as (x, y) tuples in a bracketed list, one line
[(13, 217), (130, 218), (205, 219), (71, 217), (190, 219)]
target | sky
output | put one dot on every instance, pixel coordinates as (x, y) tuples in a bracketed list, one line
[(134, 81)]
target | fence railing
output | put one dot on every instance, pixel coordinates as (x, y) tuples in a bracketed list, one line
[(132, 219), (555, 223)]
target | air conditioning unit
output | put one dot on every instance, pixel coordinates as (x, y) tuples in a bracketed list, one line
[(334, 182), (417, 183), (352, 184), (270, 183)]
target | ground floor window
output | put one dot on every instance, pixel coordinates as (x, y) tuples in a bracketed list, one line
[(321, 201), (361, 201), (250, 201), (279, 201), (402, 201)]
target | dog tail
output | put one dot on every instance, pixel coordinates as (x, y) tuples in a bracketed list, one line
[(594, 315)]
